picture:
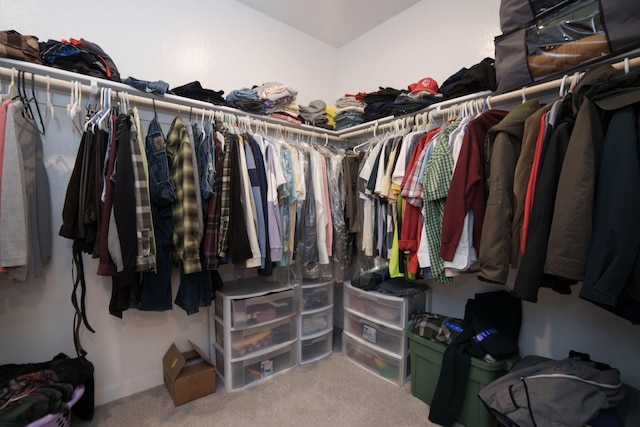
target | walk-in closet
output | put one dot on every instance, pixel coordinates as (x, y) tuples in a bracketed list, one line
[(273, 197)]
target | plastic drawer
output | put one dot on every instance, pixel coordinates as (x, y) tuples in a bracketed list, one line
[(395, 370), (382, 308), (315, 322), (315, 296), (389, 339), (219, 305), (316, 348), (252, 311), (245, 342), (219, 362), (250, 371), (219, 333)]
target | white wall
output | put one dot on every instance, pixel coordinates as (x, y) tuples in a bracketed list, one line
[(223, 44), (433, 38), (226, 45)]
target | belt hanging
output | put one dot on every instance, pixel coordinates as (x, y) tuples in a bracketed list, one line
[(80, 316)]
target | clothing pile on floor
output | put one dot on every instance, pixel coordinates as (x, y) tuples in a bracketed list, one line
[(31, 391)]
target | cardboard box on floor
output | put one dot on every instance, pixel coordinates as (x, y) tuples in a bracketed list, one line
[(188, 375)]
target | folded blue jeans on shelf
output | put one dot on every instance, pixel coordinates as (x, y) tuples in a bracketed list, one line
[(158, 87)]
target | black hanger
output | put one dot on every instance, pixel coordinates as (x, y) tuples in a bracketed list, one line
[(155, 113), (27, 112)]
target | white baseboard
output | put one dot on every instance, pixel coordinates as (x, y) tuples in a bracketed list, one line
[(127, 388)]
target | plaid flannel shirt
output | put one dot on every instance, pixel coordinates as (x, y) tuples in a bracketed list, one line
[(187, 233), (436, 180)]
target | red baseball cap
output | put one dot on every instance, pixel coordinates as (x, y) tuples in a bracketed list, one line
[(426, 84)]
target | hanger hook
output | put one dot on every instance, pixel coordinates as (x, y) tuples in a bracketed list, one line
[(524, 94), (626, 65), (563, 85)]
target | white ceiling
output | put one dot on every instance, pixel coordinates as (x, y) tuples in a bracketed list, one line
[(335, 22)]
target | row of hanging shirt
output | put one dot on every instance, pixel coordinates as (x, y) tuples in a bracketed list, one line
[(446, 191), (231, 195), (405, 177), (532, 188)]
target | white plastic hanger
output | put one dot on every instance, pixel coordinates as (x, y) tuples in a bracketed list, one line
[(104, 120), (563, 86), (202, 126), (71, 97), (575, 80), (13, 89), (2, 95), (626, 65), (375, 137), (50, 108)]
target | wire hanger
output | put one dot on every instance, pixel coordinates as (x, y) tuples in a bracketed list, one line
[(27, 111)]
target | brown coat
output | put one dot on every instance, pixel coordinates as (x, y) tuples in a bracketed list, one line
[(521, 178), (502, 150)]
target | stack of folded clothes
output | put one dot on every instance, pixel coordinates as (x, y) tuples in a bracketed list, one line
[(247, 100), (315, 114), (380, 104), (422, 94), (272, 94), (279, 101), (349, 112), (289, 112)]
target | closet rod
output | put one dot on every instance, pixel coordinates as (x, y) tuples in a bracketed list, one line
[(62, 79), (390, 121), (536, 90)]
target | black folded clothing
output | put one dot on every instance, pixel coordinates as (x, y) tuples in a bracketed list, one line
[(194, 90)]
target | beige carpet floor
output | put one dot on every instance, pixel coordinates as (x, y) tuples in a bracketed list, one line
[(332, 392)]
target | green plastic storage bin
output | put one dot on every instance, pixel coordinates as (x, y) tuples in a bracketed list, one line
[(426, 361)]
